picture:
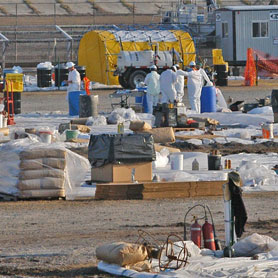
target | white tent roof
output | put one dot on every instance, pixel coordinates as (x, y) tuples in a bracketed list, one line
[(143, 35)]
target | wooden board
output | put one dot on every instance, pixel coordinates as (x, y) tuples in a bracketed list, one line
[(200, 136), (176, 129), (158, 190)]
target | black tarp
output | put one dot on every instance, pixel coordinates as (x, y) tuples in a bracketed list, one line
[(123, 148)]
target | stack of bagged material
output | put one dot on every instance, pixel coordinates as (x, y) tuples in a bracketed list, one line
[(42, 173)]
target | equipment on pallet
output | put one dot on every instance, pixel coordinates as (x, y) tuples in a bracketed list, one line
[(208, 230), (171, 255)]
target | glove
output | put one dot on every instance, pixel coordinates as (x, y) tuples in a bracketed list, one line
[(209, 84)]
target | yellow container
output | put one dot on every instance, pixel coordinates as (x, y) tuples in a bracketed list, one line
[(16, 79)]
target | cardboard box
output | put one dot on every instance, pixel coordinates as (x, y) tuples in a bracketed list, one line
[(123, 172)]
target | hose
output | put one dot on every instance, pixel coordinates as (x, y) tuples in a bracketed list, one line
[(184, 222)]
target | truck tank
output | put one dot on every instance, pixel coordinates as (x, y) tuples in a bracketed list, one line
[(133, 66)]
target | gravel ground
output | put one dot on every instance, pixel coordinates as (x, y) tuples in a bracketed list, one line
[(56, 100), (57, 238)]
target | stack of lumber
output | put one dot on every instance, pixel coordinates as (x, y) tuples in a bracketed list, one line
[(158, 190), (42, 173)]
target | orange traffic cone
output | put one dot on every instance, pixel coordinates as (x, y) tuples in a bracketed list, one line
[(250, 69), (86, 81)]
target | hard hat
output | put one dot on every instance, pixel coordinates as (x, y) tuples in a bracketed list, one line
[(192, 63), (174, 68), (153, 67), (235, 178), (70, 64), (177, 66)]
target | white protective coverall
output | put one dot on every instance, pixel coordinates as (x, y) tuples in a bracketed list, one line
[(75, 79), (194, 87), (180, 85), (168, 81), (153, 89)]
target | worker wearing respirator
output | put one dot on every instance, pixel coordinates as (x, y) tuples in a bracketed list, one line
[(194, 85), (153, 88), (168, 79)]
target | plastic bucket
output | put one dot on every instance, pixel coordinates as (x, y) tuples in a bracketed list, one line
[(214, 162), (71, 134), (208, 99), (46, 136), (144, 103), (73, 99), (267, 130), (177, 162)]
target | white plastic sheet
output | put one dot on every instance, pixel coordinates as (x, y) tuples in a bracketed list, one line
[(207, 265), (77, 167)]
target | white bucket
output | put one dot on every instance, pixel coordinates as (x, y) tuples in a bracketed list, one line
[(267, 130), (1, 120), (46, 136), (176, 162)]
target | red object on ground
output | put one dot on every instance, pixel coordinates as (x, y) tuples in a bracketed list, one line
[(208, 236), (196, 233)]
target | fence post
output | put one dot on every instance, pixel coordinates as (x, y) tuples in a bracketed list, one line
[(54, 13), (133, 11), (16, 33)]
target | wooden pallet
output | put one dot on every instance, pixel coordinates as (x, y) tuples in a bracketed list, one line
[(176, 129), (158, 190), (200, 136)]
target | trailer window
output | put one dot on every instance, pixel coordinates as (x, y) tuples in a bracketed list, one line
[(225, 32), (260, 29)]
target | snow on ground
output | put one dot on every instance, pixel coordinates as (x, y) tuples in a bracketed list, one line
[(255, 169)]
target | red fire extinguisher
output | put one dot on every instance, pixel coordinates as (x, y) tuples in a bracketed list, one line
[(196, 233), (208, 236)]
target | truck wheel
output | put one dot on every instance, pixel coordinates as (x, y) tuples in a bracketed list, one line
[(123, 82), (136, 77)]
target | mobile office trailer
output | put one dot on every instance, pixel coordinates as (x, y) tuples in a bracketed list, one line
[(242, 27)]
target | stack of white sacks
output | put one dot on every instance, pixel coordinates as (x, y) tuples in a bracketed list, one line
[(42, 173)]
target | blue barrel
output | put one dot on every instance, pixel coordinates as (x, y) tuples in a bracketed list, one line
[(138, 100), (73, 99), (208, 99), (5, 71)]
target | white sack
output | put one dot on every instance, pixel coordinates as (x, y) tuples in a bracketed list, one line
[(254, 244)]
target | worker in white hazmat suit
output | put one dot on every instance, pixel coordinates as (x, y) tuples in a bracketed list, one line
[(74, 80), (153, 88), (199, 66), (168, 80), (194, 86), (180, 83)]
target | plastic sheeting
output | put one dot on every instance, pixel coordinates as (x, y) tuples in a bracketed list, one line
[(211, 264), (125, 148), (76, 168), (98, 49)]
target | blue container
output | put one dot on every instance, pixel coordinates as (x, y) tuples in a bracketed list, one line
[(208, 99), (138, 100), (5, 71), (73, 99)]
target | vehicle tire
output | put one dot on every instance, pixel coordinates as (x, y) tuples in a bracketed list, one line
[(123, 82), (136, 77)]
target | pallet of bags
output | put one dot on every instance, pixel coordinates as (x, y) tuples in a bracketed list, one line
[(42, 173)]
